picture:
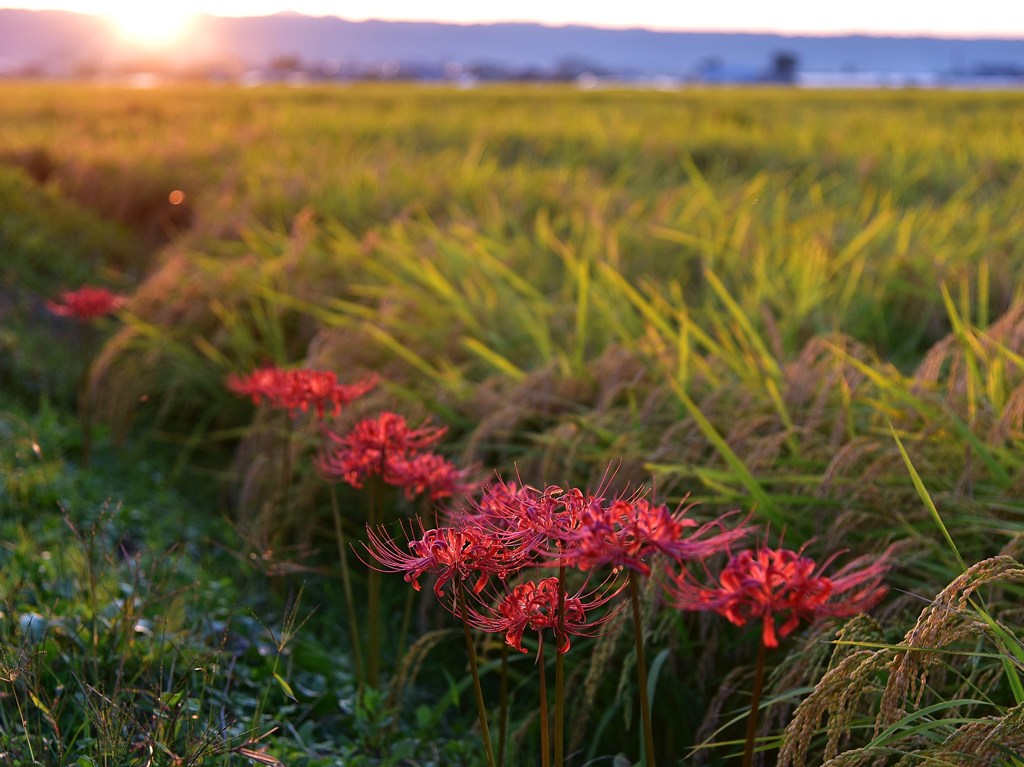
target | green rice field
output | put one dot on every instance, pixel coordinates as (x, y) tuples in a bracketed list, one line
[(803, 310)]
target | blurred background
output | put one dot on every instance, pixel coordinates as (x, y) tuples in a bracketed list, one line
[(870, 45)]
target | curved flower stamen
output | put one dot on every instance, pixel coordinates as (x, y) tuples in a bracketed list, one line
[(627, 532), (462, 553), (533, 605)]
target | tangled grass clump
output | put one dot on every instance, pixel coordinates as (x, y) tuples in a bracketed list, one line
[(911, 722)]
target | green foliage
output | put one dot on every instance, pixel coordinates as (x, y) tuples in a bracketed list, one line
[(111, 655), (104, 657), (742, 294), (50, 243)]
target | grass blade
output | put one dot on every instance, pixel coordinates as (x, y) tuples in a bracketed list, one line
[(922, 491)]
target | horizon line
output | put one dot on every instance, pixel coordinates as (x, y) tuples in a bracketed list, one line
[(775, 32)]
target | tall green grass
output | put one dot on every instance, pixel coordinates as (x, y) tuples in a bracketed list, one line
[(739, 294)]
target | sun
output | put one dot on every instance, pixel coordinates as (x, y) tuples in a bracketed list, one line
[(150, 25)]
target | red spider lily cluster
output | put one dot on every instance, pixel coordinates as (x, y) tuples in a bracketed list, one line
[(783, 585), (469, 553), (299, 390), (86, 303), (586, 531), (387, 447), (510, 528), (488, 562)]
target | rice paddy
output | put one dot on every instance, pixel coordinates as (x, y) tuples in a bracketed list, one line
[(800, 306)]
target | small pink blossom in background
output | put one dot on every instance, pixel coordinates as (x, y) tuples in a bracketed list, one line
[(387, 447), (783, 585), (299, 390), (268, 384), (86, 303), (428, 474)]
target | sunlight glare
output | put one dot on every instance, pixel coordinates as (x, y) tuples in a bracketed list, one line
[(151, 25)]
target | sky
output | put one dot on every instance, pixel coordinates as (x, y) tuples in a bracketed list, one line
[(947, 18)]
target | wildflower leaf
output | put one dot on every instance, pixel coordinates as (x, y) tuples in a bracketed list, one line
[(211, 352), (602, 725), (904, 394), (655, 672), (449, 378), (259, 757), (1014, 679), (285, 686), (39, 704), (750, 334)]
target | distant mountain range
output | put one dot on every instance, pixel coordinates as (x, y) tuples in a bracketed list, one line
[(52, 42)]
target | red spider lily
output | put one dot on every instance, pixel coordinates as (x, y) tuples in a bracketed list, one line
[(298, 390), (86, 303), (534, 605), (490, 510), (320, 390), (429, 474), (447, 552), (268, 384), (783, 585), (533, 517), (489, 513), (387, 447), (627, 532)]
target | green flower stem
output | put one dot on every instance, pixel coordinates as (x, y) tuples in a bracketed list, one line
[(755, 705), (560, 674), (286, 460), (403, 630), (24, 724), (373, 593), (346, 582), (545, 736), (471, 650), (85, 393), (641, 672), (503, 705)]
